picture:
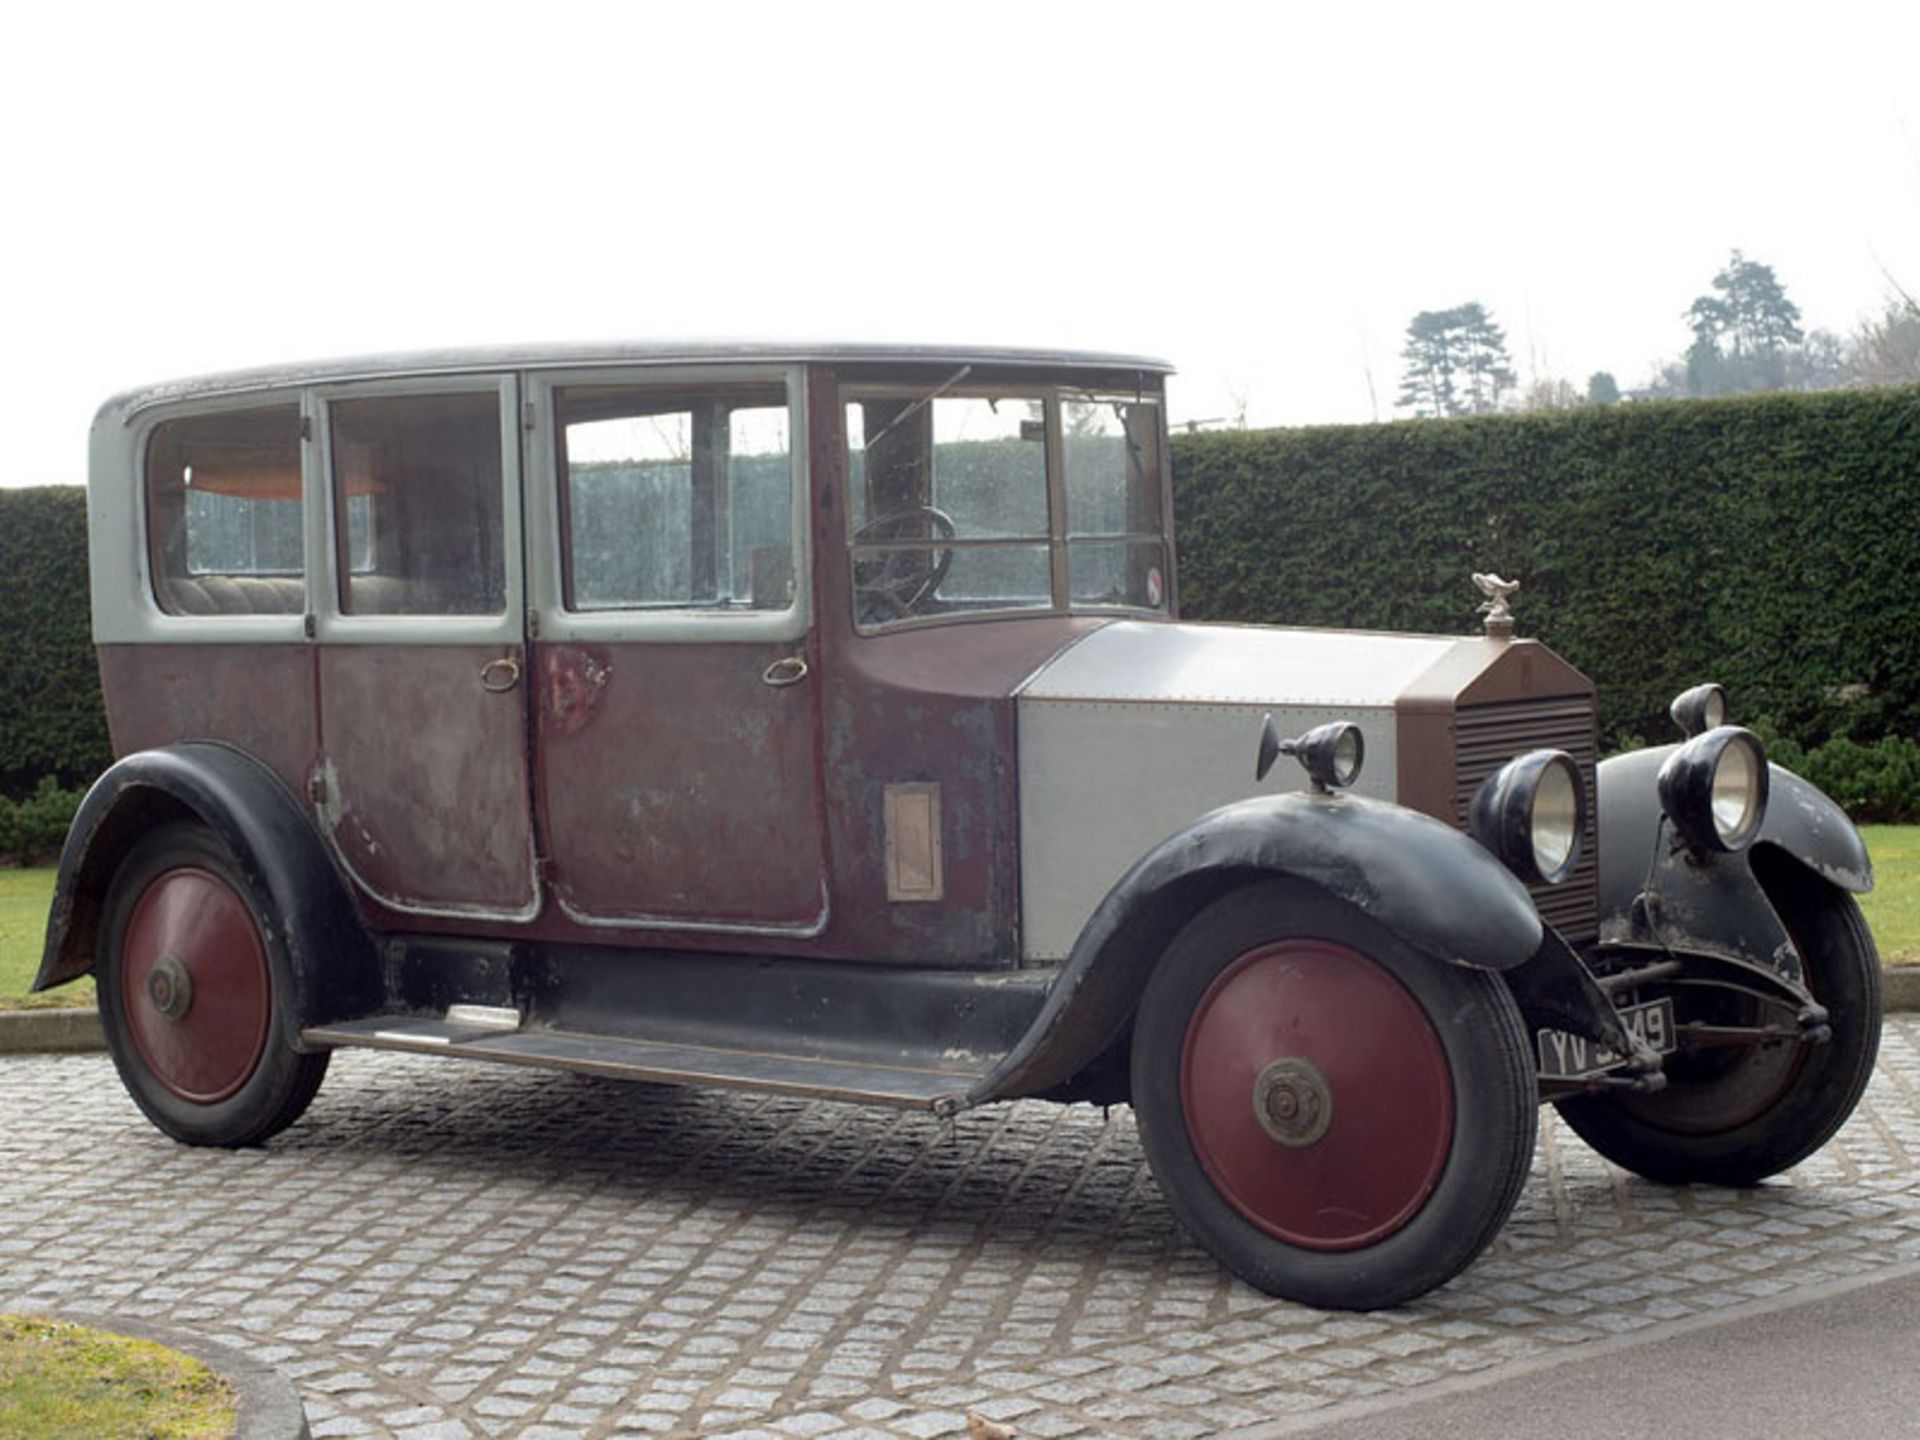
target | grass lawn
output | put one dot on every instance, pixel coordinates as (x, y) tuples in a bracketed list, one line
[(24, 898), (1893, 910), (64, 1382)]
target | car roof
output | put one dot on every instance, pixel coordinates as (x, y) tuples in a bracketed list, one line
[(481, 359)]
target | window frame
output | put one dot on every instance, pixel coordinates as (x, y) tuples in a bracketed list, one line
[(1052, 395), (152, 621), (548, 519), (331, 622)]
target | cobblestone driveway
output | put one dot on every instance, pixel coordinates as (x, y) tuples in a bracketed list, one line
[(448, 1250)]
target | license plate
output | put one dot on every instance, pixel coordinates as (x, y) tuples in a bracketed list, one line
[(1574, 1057)]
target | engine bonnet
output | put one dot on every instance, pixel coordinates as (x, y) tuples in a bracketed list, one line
[(1137, 729)]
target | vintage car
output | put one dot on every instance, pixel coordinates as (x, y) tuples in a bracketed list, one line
[(819, 720)]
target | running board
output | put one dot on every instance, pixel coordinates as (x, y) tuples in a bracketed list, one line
[(477, 1035)]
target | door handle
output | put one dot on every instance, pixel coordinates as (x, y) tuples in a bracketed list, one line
[(787, 670), (500, 675)]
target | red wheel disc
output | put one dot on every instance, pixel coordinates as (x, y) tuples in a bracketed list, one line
[(1314, 1029), (201, 1037)]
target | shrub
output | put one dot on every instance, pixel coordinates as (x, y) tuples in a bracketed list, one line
[(1879, 781), (33, 830)]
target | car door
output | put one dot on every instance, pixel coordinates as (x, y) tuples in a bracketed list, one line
[(675, 713), (422, 784)]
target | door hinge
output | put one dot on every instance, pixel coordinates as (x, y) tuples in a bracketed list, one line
[(317, 788), (526, 415), (312, 627), (306, 427), (533, 624)]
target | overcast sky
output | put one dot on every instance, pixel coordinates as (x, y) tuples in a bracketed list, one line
[(1262, 197)]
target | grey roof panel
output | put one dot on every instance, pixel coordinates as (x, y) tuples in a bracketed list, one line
[(485, 359)]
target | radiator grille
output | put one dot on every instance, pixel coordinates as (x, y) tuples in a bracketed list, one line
[(1486, 737)]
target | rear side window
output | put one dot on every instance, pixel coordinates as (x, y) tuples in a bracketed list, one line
[(225, 533), (417, 492)]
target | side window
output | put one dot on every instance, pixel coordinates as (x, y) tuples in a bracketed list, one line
[(224, 522), (678, 500), (417, 496), (1115, 554)]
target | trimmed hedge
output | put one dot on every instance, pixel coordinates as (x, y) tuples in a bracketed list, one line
[(1771, 543), (52, 722)]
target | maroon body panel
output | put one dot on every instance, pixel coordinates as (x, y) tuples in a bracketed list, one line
[(659, 794), (676, 783), (932, 706), (257, 698), (923, 704), (425, 770)]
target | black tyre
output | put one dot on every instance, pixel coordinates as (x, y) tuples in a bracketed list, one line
[(1340, 1120), (1734, 1116), (193, 971)]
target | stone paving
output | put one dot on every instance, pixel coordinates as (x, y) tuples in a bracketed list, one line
[(447, 1250)]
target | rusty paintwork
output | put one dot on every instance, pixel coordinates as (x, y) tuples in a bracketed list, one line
[(676, 784), (423, 777), (932, 706), (257, 698)]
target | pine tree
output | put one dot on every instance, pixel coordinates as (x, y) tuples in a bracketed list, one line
[(1456, 363), (1742, 331)]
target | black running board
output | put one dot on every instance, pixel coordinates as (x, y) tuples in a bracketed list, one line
[(661, 1061)]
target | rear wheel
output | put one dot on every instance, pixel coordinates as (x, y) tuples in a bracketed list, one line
[(1735, 1115), (1340, 1120), (193, 975)]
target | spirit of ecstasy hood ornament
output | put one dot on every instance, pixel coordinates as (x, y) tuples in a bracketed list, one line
[(1499, 616)]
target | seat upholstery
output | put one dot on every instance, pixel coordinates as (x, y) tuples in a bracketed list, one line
[(234, 594)]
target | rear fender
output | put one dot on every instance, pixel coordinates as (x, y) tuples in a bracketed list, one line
[(335, 968), (1429, 884)]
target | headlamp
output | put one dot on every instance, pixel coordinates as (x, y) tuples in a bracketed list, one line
[(1699, 710), (1714, 789), (1532, 813)]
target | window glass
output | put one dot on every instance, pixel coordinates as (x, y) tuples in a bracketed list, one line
[(1115, 553), (949, 504), (678, 500), (225, 525), (417, 480)]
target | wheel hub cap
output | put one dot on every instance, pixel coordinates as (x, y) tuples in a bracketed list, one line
[(170, 987), (1316, 1095), (194, 985), (1292, 1102)]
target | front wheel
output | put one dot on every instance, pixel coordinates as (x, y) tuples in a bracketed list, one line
[(1340, 1120), (1737, 1114), (192, 969)]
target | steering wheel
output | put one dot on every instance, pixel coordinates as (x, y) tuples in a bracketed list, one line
[(901, 579)]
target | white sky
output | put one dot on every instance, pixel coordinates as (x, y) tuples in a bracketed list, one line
[(1261, 196)]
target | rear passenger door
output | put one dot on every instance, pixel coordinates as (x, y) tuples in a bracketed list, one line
[(423, 777)]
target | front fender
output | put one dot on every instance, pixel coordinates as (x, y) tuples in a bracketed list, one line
[(335, 968), (1429, 884), (1651, 894), (1801, 822)]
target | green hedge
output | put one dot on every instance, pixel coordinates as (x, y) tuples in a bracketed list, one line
[(32, 832), (51, 720), (1771, 543)]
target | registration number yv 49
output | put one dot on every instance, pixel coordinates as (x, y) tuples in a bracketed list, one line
[(1574, 1057)]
